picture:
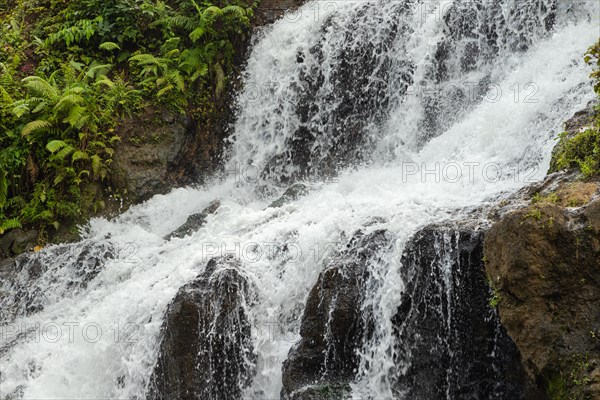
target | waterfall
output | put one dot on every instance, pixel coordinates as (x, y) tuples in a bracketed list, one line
[(393, 115)]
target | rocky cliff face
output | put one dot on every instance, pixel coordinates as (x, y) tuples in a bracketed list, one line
[(449, 342), (544, 262)]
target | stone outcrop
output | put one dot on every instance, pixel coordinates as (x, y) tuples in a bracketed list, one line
[(17, 241), (31, 281), (194, 221), (449, 343), (325, 360), (206, 350), (447, 338), (148, 152), (292, 193), (544, 262)]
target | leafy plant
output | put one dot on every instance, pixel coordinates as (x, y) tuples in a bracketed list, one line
[(70, 71), (582, 151)]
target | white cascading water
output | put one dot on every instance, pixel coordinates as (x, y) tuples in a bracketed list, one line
[(499, 137)]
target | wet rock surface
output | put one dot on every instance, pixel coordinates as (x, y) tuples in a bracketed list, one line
[(194, 221), (449, 342), (333, 326), (269, 11), (31, 281), (292, 193), (148, 150), (17, 241), (206, 351)]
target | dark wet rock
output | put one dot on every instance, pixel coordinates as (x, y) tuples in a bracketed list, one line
[(194, 221), (147, 150), (31, 281), (324, 361), (268, 11), (356, 95), (17, 241), (544, 261), (294, 192), (448, 337), (206, 350)]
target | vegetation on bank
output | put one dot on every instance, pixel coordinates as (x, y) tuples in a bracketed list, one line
[(71, 71), (582, 150)]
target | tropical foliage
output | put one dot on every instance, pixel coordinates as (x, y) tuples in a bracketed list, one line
[(71, 71), (582, 151)]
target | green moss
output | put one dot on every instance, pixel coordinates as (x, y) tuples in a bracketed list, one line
[(582, 151), (534, 213), (570, 383), (551, 198), (329, 392)]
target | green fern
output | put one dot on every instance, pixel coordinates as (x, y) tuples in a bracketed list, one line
[(79, 155), (40, 87), (55, 145), (3, 190), (109, 46), (9, 224), (64, 152), (33, 126)]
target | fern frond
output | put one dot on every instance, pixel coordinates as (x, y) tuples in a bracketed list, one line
[(63, 153), (238, 11), (5, 97), (164, 90), (3, 190), (98, 70), (144, 59), (20, 108), (40, 87), (68, 101), (9, 224), (40, 107), (178, 80), (182, 22), (105, 81), (109, 46), (197, 33), (75, 116), (36, 125), (55, 145), (79, 155)]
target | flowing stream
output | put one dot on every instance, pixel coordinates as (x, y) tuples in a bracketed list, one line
[(393, 114)]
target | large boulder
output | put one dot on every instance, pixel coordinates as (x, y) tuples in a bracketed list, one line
[(544, 261), (206, 351), (148, 151), (449, 342), (17, 241), (325, 360)]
